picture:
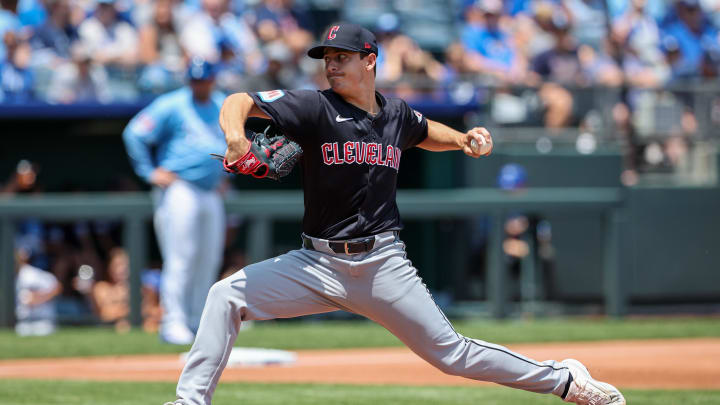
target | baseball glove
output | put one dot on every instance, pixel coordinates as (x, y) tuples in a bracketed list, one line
[(271, 155)]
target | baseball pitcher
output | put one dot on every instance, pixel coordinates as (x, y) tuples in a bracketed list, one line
[(352, 258)]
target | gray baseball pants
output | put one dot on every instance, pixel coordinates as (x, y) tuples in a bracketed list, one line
[(381, 285)]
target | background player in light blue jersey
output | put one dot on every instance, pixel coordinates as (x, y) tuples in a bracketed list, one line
[(169, 143)]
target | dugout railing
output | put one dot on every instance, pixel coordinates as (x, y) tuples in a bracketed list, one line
[(262, 208)]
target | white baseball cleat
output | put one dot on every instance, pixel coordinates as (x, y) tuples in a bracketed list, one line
[(584, 390), (177, 334)]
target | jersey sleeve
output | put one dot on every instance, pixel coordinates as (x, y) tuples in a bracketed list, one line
[(47, 280), (145, 131), (295, 112), (415, 127)]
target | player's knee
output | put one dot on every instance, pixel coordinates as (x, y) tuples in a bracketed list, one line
[(447, 366), (228, 290), (220, 290), (452, 363)]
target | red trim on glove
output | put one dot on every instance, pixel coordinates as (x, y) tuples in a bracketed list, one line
[(248, 164)]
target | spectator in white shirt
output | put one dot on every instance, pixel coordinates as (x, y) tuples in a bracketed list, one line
[(35, 291), (214, 26), (110, 40), (80, 80)]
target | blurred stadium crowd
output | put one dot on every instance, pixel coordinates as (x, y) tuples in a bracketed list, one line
[(65, 51), (621, 68)]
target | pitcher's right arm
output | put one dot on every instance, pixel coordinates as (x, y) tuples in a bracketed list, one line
[(234, 113)]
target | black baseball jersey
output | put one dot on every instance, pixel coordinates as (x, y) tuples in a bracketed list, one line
[(350, 158)]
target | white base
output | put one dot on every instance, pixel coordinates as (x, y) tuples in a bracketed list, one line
[(255, 357)]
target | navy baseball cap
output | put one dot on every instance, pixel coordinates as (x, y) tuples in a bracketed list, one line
[(200, 69), (351, 37)]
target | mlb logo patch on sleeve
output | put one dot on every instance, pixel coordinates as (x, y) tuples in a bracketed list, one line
[(418, 115), (143, 124), (270, 96)]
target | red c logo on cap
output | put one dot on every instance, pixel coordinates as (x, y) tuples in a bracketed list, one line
[(333, 30)]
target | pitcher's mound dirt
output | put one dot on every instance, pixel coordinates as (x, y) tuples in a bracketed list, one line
[(681, 363)]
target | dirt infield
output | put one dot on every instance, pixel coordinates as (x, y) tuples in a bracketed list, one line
[(681, 363)]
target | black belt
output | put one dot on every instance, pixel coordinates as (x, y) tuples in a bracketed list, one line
[(348, 247)]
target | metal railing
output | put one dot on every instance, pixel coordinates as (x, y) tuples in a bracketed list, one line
[(262, 208)]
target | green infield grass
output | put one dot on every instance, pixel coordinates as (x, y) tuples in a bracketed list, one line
[(28, 392), (296, 335)]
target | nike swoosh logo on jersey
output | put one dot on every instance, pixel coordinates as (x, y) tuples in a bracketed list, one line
[(342, 119)]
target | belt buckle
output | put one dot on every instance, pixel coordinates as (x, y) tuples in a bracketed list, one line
[(345, 245)]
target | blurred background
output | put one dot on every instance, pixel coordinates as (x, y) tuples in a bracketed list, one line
[(601, 196)]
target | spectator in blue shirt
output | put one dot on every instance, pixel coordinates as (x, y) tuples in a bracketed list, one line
[(490, 49), (687, 37), (53, 39), (16, 79)]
